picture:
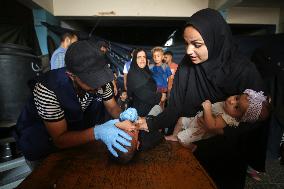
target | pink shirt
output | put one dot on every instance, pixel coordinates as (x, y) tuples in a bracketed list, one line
[(173, 67)]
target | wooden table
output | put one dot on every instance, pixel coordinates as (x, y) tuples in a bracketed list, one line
[(169, 165)]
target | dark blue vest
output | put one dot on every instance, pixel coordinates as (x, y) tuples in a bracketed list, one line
[(31, 134)]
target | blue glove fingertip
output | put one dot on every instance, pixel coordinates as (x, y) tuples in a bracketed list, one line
[(120, 147), (112, 151)]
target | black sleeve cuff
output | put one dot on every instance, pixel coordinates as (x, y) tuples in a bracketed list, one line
[(150, 122)]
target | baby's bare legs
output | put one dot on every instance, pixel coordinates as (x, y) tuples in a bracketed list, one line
[(178, 128)]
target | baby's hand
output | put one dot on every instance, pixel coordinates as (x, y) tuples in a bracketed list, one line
[(142, 124), (126, 125), (206, 105)]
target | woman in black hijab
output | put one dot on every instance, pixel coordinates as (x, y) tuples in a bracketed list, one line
[(140, 84), (213, 69), (143, 90)]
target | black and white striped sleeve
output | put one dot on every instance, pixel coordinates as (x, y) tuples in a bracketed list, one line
[(47, 104), (107, 91)]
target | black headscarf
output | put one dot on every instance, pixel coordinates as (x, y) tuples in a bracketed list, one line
[(226, 72), (142, 87), (139, 76), (224, 60)]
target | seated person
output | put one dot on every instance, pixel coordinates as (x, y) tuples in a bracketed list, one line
[(251, 106)]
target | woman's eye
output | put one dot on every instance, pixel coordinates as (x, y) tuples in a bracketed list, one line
[(197, 45)]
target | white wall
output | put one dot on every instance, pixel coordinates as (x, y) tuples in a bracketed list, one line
[(45, 4), (247, 15), (162, 8), (145, 8)]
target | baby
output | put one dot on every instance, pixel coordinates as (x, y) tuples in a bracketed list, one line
[(130, 115), (251, 106)]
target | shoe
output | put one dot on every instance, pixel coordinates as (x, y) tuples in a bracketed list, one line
[(253, 174)]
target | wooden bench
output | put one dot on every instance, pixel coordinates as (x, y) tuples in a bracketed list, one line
[(169, 165)]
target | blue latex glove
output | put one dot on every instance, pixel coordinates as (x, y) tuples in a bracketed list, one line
[(111, 135), (129, 114)]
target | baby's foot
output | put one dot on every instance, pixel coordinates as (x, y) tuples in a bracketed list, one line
[(171, 138)]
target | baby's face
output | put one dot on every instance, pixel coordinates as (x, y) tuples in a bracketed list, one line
[(236, 105)]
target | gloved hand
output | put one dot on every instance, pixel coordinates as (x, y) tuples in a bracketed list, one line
[(111, 135), (129, 114)]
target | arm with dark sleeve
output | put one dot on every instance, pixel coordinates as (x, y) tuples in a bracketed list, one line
[(172, 112)]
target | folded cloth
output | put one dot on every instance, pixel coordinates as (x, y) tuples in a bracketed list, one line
[(129, 114)]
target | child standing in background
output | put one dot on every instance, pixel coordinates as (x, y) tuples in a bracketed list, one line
[(123, 100), (168, 58), (161, 71)]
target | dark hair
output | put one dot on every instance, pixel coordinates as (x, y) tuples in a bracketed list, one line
[(67, 35), (122, 91), (168, 53), (128, 156), (124, 158), (102, 43)]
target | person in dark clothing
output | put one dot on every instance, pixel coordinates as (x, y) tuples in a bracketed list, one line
[(141, 86), (213, 69), (143, 90)]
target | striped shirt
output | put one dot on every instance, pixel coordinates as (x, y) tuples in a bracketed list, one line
[(49, 109)]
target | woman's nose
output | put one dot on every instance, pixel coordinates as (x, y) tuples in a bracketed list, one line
[(189, 49)]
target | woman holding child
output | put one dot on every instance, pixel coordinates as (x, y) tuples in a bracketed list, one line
[(213, 69)]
